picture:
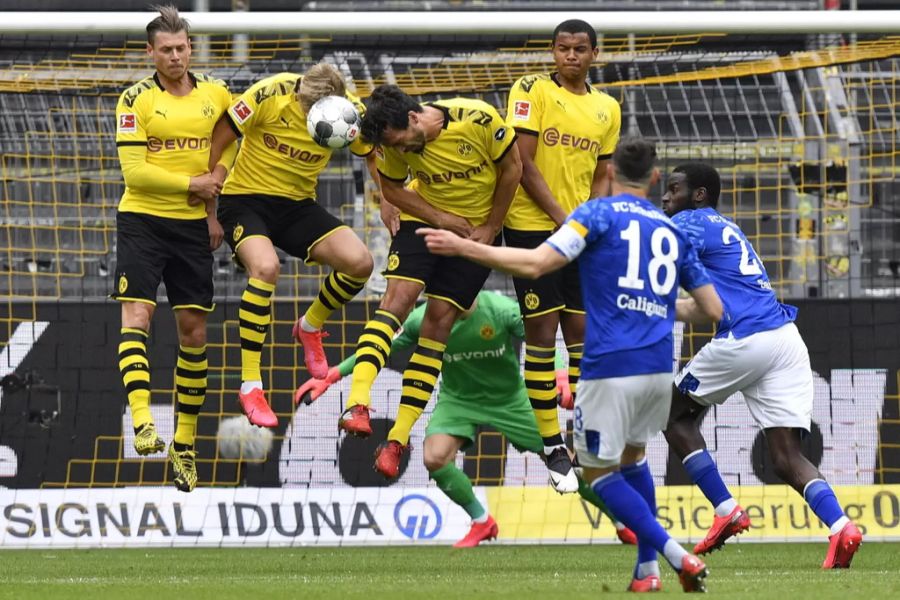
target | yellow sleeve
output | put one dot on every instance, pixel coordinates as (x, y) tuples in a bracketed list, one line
[(230, 152), (612, 135), (129, 126), (359, 147), (131, 144), (500, 137), (245, 111), (390, 164), (145, 177), (525, 107)]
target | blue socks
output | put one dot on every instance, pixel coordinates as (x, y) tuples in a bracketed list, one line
[(821, 499), (704, 473), (639, 477), (630, 507)]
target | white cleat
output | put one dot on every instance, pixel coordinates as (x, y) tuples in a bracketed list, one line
[(562, 475)]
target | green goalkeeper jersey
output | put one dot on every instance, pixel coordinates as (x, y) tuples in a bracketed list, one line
[(480, 363)]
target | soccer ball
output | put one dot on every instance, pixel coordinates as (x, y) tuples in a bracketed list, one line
[(333, 122), (239, 439)]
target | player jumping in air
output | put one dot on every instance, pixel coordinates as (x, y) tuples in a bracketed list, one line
[(567, 130), (166, 229), (481, 385), (269, 201), (632, 259), (757, 351), (465, 167)]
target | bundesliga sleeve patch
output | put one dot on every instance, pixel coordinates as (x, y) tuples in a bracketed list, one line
[(241, 112), (127, 123), (522, 110)]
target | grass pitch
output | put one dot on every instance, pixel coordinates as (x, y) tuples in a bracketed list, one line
[(756, 571)]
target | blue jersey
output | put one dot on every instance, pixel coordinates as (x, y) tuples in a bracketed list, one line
[(738, 274), (632, 260)]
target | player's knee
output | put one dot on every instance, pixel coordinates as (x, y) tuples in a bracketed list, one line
[(435, 460), (362, 266), (266, 269)]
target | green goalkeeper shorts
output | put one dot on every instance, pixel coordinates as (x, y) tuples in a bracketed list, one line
[(460, 418)]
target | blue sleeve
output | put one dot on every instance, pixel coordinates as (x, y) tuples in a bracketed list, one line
[(594, 216), (693, 228), (693, 274)]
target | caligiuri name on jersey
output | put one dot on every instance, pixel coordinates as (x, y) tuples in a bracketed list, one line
[(642, 305)]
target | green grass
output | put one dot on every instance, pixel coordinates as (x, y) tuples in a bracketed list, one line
[(783, 571)]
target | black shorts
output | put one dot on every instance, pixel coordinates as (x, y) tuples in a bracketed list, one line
[(151, 249), (560, 290), (449, 278), (295, 226)]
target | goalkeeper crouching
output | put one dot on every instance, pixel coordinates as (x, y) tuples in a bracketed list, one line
[(482, 385)]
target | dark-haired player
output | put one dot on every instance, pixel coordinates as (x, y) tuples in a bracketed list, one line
[(464, 168), (164, 232), (567, 131), (632, 260), (757, 351)]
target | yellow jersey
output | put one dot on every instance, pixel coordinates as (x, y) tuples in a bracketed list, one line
[(278, 157), (574, 132), (163, 141), (457, 171)]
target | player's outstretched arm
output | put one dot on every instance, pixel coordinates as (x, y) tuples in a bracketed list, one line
[(704, 306), (522, 262)]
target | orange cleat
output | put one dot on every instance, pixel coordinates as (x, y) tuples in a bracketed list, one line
[(723, 528), (355, 421), (313, 352), (257, 409), (650, 583), (693, 574), (479, 533), (387, 458), (626, 536), (842, 546)]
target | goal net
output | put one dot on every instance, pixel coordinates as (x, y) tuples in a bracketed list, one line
[(803, 129)]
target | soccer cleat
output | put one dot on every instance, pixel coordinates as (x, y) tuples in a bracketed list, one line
[(355, 421), (147, 441), (842, 546), (723, 528), (387, 458), (313, 352), (562, 475), (693, 574), (257, 409), (626, 536), (650, 583), (479, 533), (185, 467)]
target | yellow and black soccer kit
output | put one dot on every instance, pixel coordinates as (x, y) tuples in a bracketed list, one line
[(163, 140), (271, 192), (456, 173), (574, 132)]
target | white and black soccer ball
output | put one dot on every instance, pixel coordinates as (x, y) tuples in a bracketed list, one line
[(333, 122), (238, 439)]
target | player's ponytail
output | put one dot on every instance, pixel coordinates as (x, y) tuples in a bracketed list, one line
[(320, 80)]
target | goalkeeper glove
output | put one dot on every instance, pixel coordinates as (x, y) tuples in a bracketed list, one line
[(310, 391), (563, 391)]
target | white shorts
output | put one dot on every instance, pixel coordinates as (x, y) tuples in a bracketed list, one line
[(771, 369), (618, 411)]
